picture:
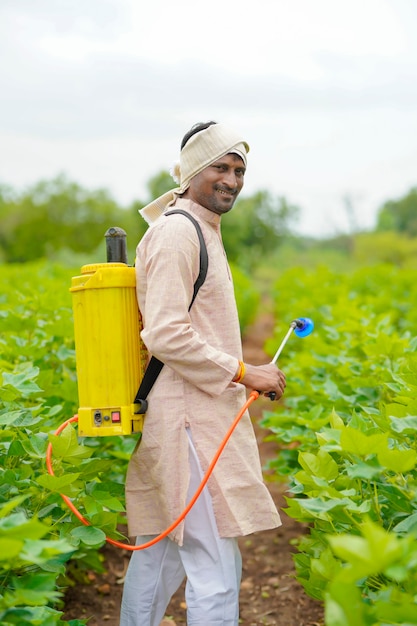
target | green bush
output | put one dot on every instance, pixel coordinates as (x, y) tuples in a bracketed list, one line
[(247, 297), (38, 535), (40, 539), (347, 432)]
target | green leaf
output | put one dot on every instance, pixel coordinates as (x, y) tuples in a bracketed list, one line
[(395, 612), (44, 550), (17, 526), (7, 507), (23, 382), (367, 470), (406, 424), (66, 445), (344, 607), (321, 509), (367, 555), (14, 416), (32, 616), (89, 535), (336, 421), (40, 583), (407, 525), (10, 548), (398, 460), (36, 446), (107, 500), (16, 449), (325, 566), (358, 443), (321, 464), (59, 484)]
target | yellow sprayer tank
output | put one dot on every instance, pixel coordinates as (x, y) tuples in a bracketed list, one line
[(110, 355)]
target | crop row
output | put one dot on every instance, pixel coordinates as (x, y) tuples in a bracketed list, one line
[(347, 437), (346, 433), (43, 547)]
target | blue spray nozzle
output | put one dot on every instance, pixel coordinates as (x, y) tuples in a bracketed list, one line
[(303, 326)]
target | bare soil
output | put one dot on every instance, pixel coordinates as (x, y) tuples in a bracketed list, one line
[(270, 595)]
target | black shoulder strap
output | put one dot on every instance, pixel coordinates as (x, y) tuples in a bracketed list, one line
[(155, 365), (203, 253)]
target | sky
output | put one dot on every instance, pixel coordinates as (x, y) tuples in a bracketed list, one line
[(324, 92)]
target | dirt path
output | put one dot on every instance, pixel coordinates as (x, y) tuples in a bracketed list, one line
[(270, 595)]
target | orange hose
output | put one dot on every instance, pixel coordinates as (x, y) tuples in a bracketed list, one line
[(252, 396)]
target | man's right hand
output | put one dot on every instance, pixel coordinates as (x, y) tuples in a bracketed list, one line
[(268, 379)]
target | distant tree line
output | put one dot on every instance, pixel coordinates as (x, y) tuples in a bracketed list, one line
[(59, 214), (53, 215), (400, 215)]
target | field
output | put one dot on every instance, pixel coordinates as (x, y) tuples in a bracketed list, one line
[(341, 455)]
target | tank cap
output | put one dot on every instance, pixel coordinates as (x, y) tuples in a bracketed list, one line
[(91, 268)]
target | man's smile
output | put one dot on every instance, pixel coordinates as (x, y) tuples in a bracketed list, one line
[(226, 192)]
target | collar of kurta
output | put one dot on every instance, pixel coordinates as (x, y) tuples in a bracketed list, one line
[(196, 209)]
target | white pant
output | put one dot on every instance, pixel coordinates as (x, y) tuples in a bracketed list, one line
[(212, 565)]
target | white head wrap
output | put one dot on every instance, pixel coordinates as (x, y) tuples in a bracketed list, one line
[(202, 149)]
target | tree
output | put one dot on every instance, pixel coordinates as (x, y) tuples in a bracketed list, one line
[(52, 215), (60, 214), (160, 184), (156, 186), (400, 215), (256, 226)]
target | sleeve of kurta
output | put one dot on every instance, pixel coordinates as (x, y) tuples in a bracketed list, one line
[(168, 259)]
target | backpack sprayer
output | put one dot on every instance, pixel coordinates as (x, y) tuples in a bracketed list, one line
[(110, 356), (111, 359)]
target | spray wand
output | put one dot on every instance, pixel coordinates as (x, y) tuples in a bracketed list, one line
[(302, 327)]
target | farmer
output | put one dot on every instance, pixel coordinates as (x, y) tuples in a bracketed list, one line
[(194, 401)]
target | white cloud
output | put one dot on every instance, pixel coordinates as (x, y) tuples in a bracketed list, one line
[(325, 91)]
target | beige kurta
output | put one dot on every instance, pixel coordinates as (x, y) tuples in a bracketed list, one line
[(200, 349)]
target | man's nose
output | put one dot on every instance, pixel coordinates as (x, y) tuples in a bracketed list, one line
[(231, 179)]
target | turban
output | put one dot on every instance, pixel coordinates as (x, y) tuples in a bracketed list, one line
[(202, 149)]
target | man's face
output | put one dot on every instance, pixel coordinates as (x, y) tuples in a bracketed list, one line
[(218, 185)]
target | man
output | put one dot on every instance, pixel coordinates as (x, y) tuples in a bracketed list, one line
[(194, 401)]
